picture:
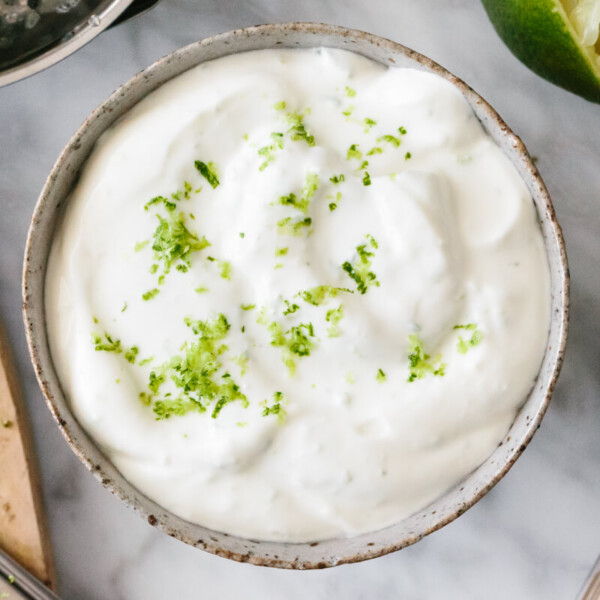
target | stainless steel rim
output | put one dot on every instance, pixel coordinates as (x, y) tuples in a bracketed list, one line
[(97, 22), (286, 555)]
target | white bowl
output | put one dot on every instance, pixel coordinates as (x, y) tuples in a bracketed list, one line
[(277, 554)]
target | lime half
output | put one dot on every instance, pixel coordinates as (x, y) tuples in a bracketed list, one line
[(557, 39)]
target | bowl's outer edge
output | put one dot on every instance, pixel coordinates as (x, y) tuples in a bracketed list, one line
[(277, 554)]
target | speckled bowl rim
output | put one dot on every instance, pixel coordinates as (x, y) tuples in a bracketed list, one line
[(331, 552)]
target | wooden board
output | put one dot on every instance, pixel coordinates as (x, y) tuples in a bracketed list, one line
[(23, 530)]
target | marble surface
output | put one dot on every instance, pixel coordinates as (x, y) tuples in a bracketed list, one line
[(535, 535)]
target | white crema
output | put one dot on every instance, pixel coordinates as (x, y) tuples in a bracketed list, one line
[(448, 231)]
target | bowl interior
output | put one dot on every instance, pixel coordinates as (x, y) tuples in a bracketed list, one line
[(289, 555)]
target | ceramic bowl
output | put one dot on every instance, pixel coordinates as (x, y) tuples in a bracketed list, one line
[(276, 554)]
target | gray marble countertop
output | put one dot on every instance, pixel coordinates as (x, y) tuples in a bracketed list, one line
[(536, 534)]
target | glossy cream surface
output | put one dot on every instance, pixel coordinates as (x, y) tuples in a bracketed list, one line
[(447, 229)]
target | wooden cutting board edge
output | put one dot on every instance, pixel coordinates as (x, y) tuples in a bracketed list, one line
[(24, 533)]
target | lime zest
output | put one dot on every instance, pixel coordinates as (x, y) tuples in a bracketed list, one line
[(420, 363), (463, 345), (208, 171), (319, 294), (276, 407), (360, 269), (310, 188), (334, 316), (196, 374), (296, 227)]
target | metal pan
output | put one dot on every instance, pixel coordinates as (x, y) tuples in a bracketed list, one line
[(35, 34)]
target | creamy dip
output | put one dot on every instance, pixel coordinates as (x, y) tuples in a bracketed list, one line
[(297, 294)]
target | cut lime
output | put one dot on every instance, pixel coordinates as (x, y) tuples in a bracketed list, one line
[(557, 39)]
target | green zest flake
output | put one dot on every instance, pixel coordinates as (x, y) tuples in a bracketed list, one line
[(281, 251), (140, 245), (380, 377), (337, 198), (350, 377), (247, 306), (195, 374), (150, 294), (170, 206), (153, 268), (124, 307), (242, 235), (366, 179), (279, 105), (276, 408), (350, 92), (334, 316), (11, 579), (6, 423), (242, 362), (131, 354), (290, 308), (278, 266), (293, 227), (308, 192), (146, 361), (185, 192), (174, 243), (374, 150), (298, 130), (402, 130), (407, 156), (201, 290), (311, 185), (163, 409), (317, 295), (268, 152), (464, 345), (225, 268), (419, 363), (155, 381), (299, 343), (335, 179), (295, 342), (95, 319), (353, 152), (348, 112), (368, 123), (208, 171), (372, 241), (107, 344), (390, 139), (359, 270)]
